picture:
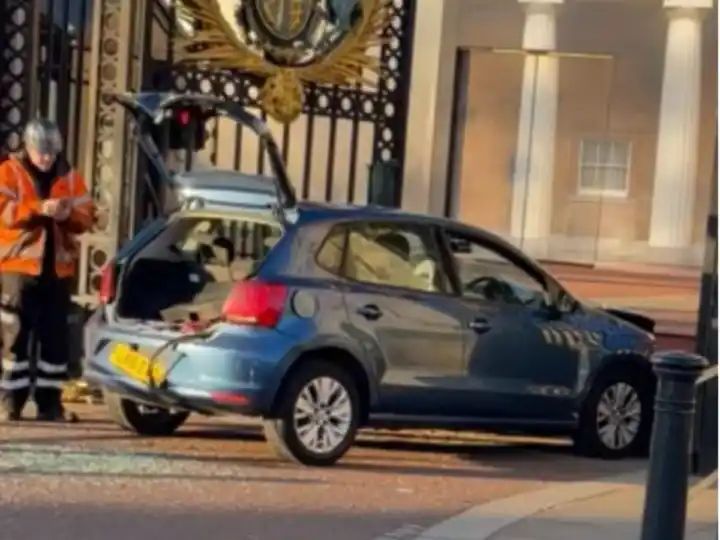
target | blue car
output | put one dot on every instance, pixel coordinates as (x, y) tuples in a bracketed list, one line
[(322, 319)]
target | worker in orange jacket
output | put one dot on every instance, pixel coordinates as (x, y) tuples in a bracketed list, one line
[(44, 205)]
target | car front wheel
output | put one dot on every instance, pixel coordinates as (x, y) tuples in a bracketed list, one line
[(617, 417), (317, 416), (143, 419)]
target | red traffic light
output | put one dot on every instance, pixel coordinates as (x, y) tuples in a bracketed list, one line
[(183, 117)]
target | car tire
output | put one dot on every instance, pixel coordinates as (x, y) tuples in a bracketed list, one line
[(616, 419), (310, 428), (130, 415)]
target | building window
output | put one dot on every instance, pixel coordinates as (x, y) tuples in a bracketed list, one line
[(604, 168)]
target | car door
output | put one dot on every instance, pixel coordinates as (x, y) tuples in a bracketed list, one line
[(398, 306), (521, 356)]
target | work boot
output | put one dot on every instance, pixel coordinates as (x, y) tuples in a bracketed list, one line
[(9, 416), (58, 415)]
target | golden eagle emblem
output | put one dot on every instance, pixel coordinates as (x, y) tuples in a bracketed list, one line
[(288, 42)]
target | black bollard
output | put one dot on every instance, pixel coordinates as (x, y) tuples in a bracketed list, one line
[(667, 481)]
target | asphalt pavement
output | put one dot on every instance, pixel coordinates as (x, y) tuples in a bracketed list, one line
[(217, 479)]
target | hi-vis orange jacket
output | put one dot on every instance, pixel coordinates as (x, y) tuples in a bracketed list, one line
[(22, 237)]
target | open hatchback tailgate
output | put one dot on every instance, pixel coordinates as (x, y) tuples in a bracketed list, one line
[(150, 109)]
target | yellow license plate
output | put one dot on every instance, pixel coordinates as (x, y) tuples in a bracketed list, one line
[(136, 365)]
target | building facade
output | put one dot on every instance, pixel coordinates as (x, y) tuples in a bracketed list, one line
[(582, 130)]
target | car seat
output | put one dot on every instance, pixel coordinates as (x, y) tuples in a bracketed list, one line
[(396, 243), (426, 272)]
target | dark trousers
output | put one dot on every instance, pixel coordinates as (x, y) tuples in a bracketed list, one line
[(35, 349)]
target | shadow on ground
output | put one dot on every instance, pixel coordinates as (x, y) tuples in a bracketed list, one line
[(137, 521)]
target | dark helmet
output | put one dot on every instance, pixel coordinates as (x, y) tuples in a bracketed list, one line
[(43, 136)]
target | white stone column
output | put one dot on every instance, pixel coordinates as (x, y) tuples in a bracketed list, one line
[(430, 106), (671, 222), (535, 155)]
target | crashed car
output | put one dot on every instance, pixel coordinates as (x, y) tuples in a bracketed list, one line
[(322, 319)]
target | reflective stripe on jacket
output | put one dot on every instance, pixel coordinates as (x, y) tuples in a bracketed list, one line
[(22, 235)]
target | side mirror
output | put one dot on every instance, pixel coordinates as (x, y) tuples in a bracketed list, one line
[(562, 303), (566, 303)]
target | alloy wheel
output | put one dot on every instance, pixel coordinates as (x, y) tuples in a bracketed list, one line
[(322, 415), (619, 415)]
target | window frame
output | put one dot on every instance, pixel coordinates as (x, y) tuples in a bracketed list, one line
[(433, 232), (517, 260), (584, 191)]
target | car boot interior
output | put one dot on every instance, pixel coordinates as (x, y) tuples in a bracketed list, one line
[(187, 272)]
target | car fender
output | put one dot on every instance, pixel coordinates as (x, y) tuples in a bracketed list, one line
[(614, 360), (320, 343)]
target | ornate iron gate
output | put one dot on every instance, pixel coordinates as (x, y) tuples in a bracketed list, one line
[(16, 61), (335, 122), (64, 58), (43, 62)]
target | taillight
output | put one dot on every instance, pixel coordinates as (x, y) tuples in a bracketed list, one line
[(107, 283), (255, 303)]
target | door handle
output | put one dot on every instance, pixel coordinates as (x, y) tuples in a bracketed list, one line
[(371, 312), (480, 325)]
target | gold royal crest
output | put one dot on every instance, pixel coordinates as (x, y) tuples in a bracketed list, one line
[(286, 18), (288, 42)]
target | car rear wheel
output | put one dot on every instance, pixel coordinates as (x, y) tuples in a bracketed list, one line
[(143, 419), (317, 416), (617, 417)]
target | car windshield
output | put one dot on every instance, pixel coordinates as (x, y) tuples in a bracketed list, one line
[(487, 274)]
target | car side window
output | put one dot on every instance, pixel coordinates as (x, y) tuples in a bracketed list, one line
[(396, 255), (487, 274)]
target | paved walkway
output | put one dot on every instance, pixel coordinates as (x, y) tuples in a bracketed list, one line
[(671, 296), (615, 514), (597, 510)]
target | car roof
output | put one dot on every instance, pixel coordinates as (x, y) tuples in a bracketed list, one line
[(313, 211), (310, 212)]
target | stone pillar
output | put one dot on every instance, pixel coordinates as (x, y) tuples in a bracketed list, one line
[(430, 106), (109, 152), (671, 222), (535, 155)]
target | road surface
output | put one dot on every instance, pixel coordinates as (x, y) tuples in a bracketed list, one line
[(216, 479)]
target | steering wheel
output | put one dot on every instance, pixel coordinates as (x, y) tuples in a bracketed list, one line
[(490, 287)]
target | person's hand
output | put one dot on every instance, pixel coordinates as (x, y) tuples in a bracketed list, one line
[(50, 207), (64, 210), (58, 209)]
